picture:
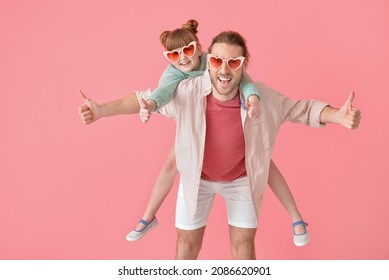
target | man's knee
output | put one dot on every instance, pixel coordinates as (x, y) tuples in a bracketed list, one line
[(242, 243), (189, 243)]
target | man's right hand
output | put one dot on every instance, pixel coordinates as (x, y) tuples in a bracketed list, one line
[(89, 111)]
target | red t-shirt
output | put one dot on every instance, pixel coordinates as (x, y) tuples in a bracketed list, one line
[(224, 152)]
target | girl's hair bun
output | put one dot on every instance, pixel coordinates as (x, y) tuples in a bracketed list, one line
[(163, 37), (191, 25)]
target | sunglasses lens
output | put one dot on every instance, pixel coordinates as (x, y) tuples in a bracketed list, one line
[(173, 56), (216, 62), (234, 63), (189, 50)]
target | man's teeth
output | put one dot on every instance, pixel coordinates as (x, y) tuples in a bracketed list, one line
[(184, 63), (224, 79)]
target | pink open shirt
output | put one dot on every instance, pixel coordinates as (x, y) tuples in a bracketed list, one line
[(188, 109)]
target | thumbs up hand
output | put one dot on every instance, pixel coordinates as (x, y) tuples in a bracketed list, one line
[(349, 116), (252, 105), (89, 111), (145, 111)]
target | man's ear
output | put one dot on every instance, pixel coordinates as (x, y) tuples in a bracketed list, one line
[(245, 64), (207, 63)]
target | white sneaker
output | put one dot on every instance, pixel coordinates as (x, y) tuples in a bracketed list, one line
[(300, 239), (138, 234)]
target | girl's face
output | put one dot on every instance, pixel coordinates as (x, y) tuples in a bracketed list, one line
[(186, 58)]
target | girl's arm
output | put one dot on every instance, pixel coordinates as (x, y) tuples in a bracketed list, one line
[(251, 96), (166, 87), (248, 87), (169, 82)]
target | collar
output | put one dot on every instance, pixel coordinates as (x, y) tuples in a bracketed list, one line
[(207, 85)]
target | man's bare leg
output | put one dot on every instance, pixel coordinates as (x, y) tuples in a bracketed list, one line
[(189, 243), (242, 243)]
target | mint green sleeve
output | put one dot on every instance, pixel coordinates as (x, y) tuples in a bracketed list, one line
[(248, 87), (168, 83)]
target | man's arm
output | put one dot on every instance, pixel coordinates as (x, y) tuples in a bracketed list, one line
[(91, 111), (347, 115)]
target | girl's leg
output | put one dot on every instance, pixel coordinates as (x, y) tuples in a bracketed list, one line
[(280, 188), (161, 188)]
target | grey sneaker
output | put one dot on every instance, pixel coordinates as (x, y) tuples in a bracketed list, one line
[(300, 239), (138, 234)]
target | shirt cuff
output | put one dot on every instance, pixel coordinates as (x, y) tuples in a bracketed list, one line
[(315, 114)]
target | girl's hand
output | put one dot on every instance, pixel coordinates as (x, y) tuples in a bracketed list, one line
[(252, 105), (145, 112)]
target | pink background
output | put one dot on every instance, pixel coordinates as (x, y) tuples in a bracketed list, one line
[(70, 191)]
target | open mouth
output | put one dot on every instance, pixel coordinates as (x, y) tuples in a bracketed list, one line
[(184, 63), (224, 80)]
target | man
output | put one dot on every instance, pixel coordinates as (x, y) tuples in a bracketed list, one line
[(220, 150)]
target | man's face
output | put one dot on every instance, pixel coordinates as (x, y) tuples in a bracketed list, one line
[(225, 82)]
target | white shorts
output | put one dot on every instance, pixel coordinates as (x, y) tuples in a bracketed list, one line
[(237, 197)]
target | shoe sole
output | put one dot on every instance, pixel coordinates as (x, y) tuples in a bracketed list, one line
[(300, 244), (148, 228)]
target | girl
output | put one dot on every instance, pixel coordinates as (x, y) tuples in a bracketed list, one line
[(183, 50)]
